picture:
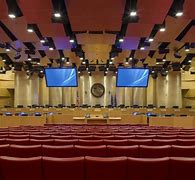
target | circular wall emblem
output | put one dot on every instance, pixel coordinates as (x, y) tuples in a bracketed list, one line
[(97, 90)]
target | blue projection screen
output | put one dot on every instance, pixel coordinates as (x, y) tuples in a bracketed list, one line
[(61, 77), (129, 77)]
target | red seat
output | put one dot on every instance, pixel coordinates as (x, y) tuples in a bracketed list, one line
[(40, 137), (11, 136), (129, 151), (186, 142), (96, 151), (182, 168), (61, 137), (63, 168), (62, 142), (41, 141), (25, 151), (186, 136), (59, 151), (18, 141), (4, 150), (140, 141), (21, 168), (82, 137), (166, 136), (103, 137), (94, 142), (145, 136), (121, 142), (162, 142), (124, 137), (148, 169), (154, 151), (106, 168), (3, 141), (183, 151)]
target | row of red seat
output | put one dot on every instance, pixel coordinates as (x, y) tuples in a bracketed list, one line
[(96, 136), (92, 142), (97, 151), (96, 168)]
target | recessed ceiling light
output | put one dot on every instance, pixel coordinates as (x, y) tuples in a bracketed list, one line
[(162, 29), (67, 62), (127, 62), (57, 15), (133, 13), (79, 72), (179, 14), (41, 71), (7, 49), (83, 62), (4, 60), (81, 58), (42, 41), (106, 72), (71, 40), (38, 63), (112, 58), (142, 48), (29, 59), (63, 58), (164, 60), (150, 39), (110, 62), (157, 62), (187, 49), (121, 40), (30, 30), (12, 16), (130, 58), (51, 48), (190, 61)]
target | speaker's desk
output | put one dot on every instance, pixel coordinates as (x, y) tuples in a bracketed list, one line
[(98, 119)]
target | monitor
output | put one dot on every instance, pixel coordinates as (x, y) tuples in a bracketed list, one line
[(132, 77), (61, 77)]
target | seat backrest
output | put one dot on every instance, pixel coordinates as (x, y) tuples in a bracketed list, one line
[(154, 151), (162, 142), (96, 151), (59, 151), (140, 141), (21, 168), (121, 142), (25, 151), (4, 150), (62, 142), (186, 142), (18, 141), (182, 168), (40, 136), (94, 142), (148, 168), (113, 168), (183, 151), (117, 151), (63, 168)]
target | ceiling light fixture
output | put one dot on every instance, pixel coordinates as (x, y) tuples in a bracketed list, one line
[(81, 58), (110, 62), (121, 40), (51, 48), (57, 15), (133, 13), (112, 58), (71, 40), (142, 48), (150, 39), (30, 30), (29, 58), (42, 40), (179, 14), (12, 16)]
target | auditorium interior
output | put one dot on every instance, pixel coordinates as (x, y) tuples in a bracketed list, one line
[(97, 89)]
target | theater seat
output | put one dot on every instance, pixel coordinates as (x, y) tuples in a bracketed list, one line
[(140, 141), (20, 168), (121, 142), (96, 151), (148, 169), (129, 151), (4, 150), (106, 168), (41, 141), (25, 151), (58, 151), (83, 142), (182, 168), (154, 151), (63, 168), (186, 142), (183, 151), (62, 142), (18, 141), (162, 142)]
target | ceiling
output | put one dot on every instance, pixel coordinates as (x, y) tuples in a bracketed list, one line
[(96, 27)]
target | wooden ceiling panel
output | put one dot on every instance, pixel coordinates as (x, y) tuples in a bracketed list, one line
[(153, 12), (190, 36), (96, 38), (95, 15)]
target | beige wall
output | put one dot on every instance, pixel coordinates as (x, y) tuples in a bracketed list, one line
[(162, 91)]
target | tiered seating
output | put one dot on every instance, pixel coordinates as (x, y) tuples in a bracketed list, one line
[(116, 152)]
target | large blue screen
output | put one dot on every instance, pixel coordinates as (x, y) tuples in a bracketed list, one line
[(129, 77), (61, 77)]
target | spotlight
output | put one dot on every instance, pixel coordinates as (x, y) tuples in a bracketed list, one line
[(106, 72), (127, 61), (157, 63), (67, 61), (42, 40), (133, 13), (110, 62), (51, 48), (57, 15), (7, 49), (190, 61), (38, 63), (187, 47), (30, 30), (12, 16), (79, 72), (71, 40), (150, 39), (4, 60), (179, 14), (81, 58), (83, 62), (130, 58), (112, 58), (162, 29), (164, 60), (29, 58), (121, 40), (41, 71), (142, 48), (63, 58)]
